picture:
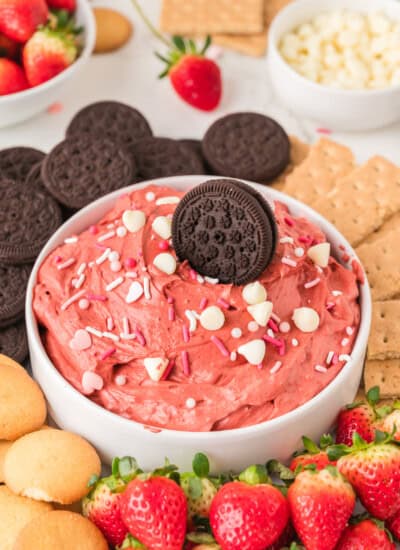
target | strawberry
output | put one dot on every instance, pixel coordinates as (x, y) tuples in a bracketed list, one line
[(12, 77), (8, 48), (321, 503), (155, 510), (19, 19), (394, 525), (248, 517), (48, 53), (368, 534), (69, 5), (199, 495), (358, 417), (373, 469), (390, 424), (285, 539), (312, 454)]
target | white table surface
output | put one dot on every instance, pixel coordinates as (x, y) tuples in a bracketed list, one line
[(130, 75)]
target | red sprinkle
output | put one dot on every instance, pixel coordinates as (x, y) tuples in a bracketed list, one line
[(288, 221), (358, 271), (305, 239), (223, 303), (345, 258), (220, 345), (55, 108), (93, 229), (203, 304), (96, 297), (107, 354), (272, 325), (163, 245), (168, 370), (342, 248), (130, 263), (274, 341), (330, 305), (282, 348), (57, 259), (185, 363), (139, 335), (193, 275), (185, 334), (171, 313)]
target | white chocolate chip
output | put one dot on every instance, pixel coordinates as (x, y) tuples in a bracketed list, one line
[(133, 220), (165, 262), (253, 351), (320, 254), (212, 318), (162, 226), (261, 312), (134, 293), (254, 293), (306, 319), (155, 367)]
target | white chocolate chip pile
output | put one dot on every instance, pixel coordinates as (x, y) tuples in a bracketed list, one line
[(345, 49)]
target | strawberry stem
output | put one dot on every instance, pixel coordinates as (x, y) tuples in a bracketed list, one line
[(150, 25)]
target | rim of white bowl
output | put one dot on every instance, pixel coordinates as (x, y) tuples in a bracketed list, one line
[(89, 24), (356, 355), (274, 37)]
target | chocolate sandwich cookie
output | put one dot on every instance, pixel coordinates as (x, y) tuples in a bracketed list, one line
[(119, 122), (162, 157), (195, 145), (82, 169), (13, 342), (12, 292), (34, 177), (28, 218), (225, 231), (246, 145), (17, 162)]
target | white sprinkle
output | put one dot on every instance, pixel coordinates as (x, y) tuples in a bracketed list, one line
[(286, 240), (299, 252), (73, 299), (120, 380), (131, 275), (111, 336), (84, 304), (121, 231), (144, 269), (349, 331), (344, 357), (336, 293), (146, 288), (110, 323), (275, 317), (106, 236), (103, 257), (320, 368), (289, 262), (79, 282), (295, 342), (113, 256), (284, 327), (192, 320), (233, 356), (91, 264), (252, 326), (115, 266), (345, 341), (200, 279), (271, 333), (167, 200), (190, 403), (329, 357), (211, 280), (94, 331), (276, 367), (319, 269), (70, 240), (81, 268), (312, 283), (110, 226), (114, 284), (125, 336), (125, 325), (66, 264), (236, 332), (150, 196)]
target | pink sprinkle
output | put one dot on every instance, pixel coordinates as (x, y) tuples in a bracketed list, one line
[(312, 283), (168, 370), (193, 275), (272, 325), (220, 345), (342, 248), (282, 348), (260, 366), (139, 335), (288, 221), (185, 363), (130, 263), (274, 341), (203, 304), (171, 313), (57, 259), (289, 262), (305, 239), (275, 317), (330, 305), (325, 131), (140, 252), (96, 297), (163, 245), (93, 229), (100, 246), (223, 303), (55, 108), (107, 354), (185, 334), (345, 258), (170, 300), (335, 359)]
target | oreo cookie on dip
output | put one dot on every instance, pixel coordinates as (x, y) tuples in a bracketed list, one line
[(225, 230), (248, 146)]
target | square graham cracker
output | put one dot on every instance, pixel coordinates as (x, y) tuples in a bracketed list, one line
[(363, 200), (381, 260), (385, 229), (316, 176), (385, 374), (215, 16), (384, 341), (299, 150)]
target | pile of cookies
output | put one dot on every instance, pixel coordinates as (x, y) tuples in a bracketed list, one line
[(241, 25), (43, 472)]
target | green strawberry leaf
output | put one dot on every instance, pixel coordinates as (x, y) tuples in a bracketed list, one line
[(383, 411), (310, 446), (127, 468), (334, 452), (179, 43), (93, 480), (192, 46), (325, 441), (373, 395), (201, 465), (207, 44), (255, 474), (131, 542), (285, 474)]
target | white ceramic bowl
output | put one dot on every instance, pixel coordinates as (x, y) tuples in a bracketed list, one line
[(113, 435), (15, 108), (338, 109)]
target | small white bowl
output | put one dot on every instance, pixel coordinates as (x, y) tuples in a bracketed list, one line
[(17, 107), (349, 110), (234, 449)]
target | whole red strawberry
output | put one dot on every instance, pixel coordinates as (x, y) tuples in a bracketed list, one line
[(19, 19), (369, 534), (154, 510), (248, 517), (284, 541), (69, 5), (393, 525), (321, 503), (12, 77), (48, 53), (312, 454), (358, 417)]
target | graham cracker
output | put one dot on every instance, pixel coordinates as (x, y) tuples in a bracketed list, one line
[(316, 176), (387, 227), (381, 260), (217, 16), (384, 341), (363, 200), (299, 150), (385, 374)]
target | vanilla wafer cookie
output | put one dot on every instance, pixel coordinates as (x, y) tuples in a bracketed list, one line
[(384, 340)]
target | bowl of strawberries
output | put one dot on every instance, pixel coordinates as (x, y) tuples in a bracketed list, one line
[(44, 44)]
